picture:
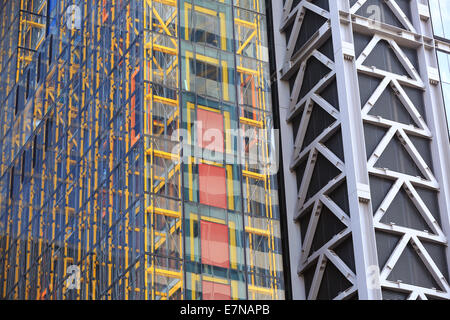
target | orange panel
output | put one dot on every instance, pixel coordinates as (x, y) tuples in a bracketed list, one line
[(214, 242), (212, 186), (210, 130), (216, 291), (134, 138), (104, 13)]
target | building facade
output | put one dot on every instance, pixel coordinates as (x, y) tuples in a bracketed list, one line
[(224, 149), (361, 88), (440, 11), (138, 151)]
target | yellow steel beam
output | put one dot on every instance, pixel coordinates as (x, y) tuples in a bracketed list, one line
[(163, 212)]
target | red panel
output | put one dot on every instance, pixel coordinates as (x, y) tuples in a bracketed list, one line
[(212, 185), (215, 247), (210, 130), (134, 138), (105, 14), (216, 291)]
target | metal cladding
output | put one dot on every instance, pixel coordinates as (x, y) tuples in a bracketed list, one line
[(368, 148)]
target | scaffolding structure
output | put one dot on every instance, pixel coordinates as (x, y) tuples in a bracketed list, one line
[(94, 168)]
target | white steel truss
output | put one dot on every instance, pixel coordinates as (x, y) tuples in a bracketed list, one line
[(403, 181), (296, 63)]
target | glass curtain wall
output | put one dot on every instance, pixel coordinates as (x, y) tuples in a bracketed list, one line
[(138, 149), (440, 14), (232, 229)]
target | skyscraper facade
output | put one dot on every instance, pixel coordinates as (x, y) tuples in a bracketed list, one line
[(138, 156), (224, 149), (365, 146), (440, 14)]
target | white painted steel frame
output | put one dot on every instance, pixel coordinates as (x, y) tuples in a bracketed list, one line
[(298, 291), (294, 64)]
